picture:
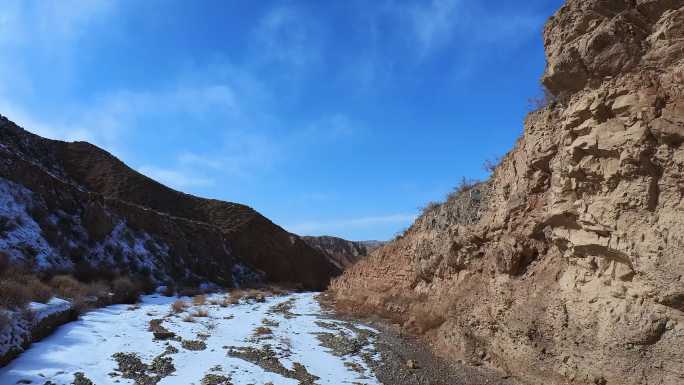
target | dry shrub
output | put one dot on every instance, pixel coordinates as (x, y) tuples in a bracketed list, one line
[(463, 186), (215, 302), (13, 294), (225, 302), (277, 290), (21, 285), (490, 165), (39, 291), (544, 99), (201, 313), (366, 304), (424, 319), (125, 291), (255, 295), (199, 300), (429, 207), (98, 289), (36, 290), (68, 287), (262, 331), (178, 306), (235, 296)]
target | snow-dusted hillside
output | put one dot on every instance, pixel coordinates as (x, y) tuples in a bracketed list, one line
[(284, 340)]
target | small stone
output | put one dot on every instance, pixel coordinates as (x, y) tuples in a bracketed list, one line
[(194, 345)]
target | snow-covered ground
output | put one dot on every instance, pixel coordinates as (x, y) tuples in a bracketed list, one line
[(279, 341)]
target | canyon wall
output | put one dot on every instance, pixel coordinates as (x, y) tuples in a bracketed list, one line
[(567, 266)]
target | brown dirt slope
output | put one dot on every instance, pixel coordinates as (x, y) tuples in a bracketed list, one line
[(567, 266), (199, 238), (341, 252)]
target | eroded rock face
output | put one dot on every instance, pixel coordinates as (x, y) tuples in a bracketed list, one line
[(574, 269)]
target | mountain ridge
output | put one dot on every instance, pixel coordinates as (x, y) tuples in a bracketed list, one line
[(92, 187), (341, 252)]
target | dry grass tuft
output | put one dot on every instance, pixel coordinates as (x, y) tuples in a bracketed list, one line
[(201, 313), (199, 300), (262, 331), (67, 287), (235, 296), (188, 318), (178, 306), (125, 290), (18, 287)]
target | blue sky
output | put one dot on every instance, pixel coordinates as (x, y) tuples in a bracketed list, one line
[(329, 117)]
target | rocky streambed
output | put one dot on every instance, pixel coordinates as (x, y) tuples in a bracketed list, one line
[(221, 340)]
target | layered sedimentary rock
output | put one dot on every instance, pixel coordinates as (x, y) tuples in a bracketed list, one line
[(74, 207), (567, 266)]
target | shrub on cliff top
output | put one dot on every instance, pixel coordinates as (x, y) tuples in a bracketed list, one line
[(429, 207)]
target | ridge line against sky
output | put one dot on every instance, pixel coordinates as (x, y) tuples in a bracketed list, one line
[(338, 118)]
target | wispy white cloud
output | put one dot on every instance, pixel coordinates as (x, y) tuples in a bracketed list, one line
[(109, 120), (433, 23), (190, 159), (288, 35), (333, 127), (102, 125), (346, 224), (50, 23), (176, 178), (433, 26)]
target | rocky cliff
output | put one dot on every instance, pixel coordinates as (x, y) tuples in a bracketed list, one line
[(73, 207), (341, 252), (567, 266)]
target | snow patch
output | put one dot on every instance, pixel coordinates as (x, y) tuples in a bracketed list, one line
[(87, 345), (43, 310), (20, 236)]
